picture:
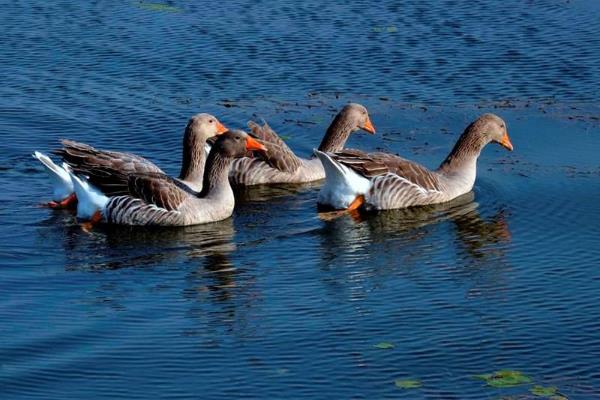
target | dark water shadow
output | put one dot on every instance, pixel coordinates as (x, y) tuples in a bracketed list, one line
[(109, 247), (453, 236), (261, 193)]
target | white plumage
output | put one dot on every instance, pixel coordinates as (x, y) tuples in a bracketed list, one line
[(90, 199), (62, 185), (342, 185)]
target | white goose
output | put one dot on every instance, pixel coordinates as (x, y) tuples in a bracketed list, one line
[(382, 181)]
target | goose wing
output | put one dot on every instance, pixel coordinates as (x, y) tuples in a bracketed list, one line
[(279, 156), (158, 189), (372, 165), (107, 170)]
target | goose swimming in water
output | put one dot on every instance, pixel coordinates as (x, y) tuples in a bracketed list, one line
[(281, 165), (86, 160), (383, 181), (156, 199)]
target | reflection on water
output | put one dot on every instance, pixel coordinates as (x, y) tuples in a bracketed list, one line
[(383, 243), (260, 193), (349, 233), (460, 289), (114, 247)]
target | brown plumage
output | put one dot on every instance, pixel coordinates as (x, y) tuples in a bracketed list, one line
[(279, 155), (108, 170), (386, 181), (281, 165), (156, 199), (375, 164)]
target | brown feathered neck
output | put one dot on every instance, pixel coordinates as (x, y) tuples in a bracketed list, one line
[(216, 172), (337, 134), (193, 157), (466, 150)]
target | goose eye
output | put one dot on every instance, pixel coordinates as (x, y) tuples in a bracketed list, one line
[(210, 121)]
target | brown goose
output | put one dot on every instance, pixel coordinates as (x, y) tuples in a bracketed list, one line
[(384, 181), (86, 160), (156, 199), (281, 165)]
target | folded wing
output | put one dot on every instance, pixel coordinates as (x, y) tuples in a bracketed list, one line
[(107, 170)]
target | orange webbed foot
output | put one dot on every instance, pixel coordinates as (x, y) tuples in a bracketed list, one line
[(95, 220), (69, 202)]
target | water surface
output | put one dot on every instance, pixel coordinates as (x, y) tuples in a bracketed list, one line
[(277, 302)]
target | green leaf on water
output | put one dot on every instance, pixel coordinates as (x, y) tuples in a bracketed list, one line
[(157, 7), (384, 345), (408, 383), (504, 378), (543, 391)]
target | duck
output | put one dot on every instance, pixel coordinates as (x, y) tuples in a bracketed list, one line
[(97, 164), (281, 165), (382, 181), (155, 199)]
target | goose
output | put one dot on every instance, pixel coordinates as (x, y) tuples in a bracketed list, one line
[(86, 160), (382, 181), (156, 199), (281, 165)]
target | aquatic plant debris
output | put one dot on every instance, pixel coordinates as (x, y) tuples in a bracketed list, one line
[(157, 7), (408, 383), (544, 391), (504, 378), (384, 345)]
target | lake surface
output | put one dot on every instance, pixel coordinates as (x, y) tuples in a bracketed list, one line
[(277, 302)]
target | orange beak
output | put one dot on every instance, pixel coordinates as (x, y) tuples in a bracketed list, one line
[(220, 128), (253, 144), (505, 142), (368, 126)]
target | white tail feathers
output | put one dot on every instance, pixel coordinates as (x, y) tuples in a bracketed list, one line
[(90, 199), (62, 186), (342, 184)]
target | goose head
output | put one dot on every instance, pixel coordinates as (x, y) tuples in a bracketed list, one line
[(236, 143), (357, 117), (202, 127), (491, 128)]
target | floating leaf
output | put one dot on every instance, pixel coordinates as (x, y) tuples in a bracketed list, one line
[(407, 383), (543, 391), (504, 378), (384, 345), (158, 7), (558, 397)]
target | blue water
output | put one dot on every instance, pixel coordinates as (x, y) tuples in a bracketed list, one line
[(277, 302)]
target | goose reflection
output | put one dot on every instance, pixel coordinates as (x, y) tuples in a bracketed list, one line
[(261, 193), (354, 247), (114, 247)]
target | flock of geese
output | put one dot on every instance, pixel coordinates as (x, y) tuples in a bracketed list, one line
[(123, 188)]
